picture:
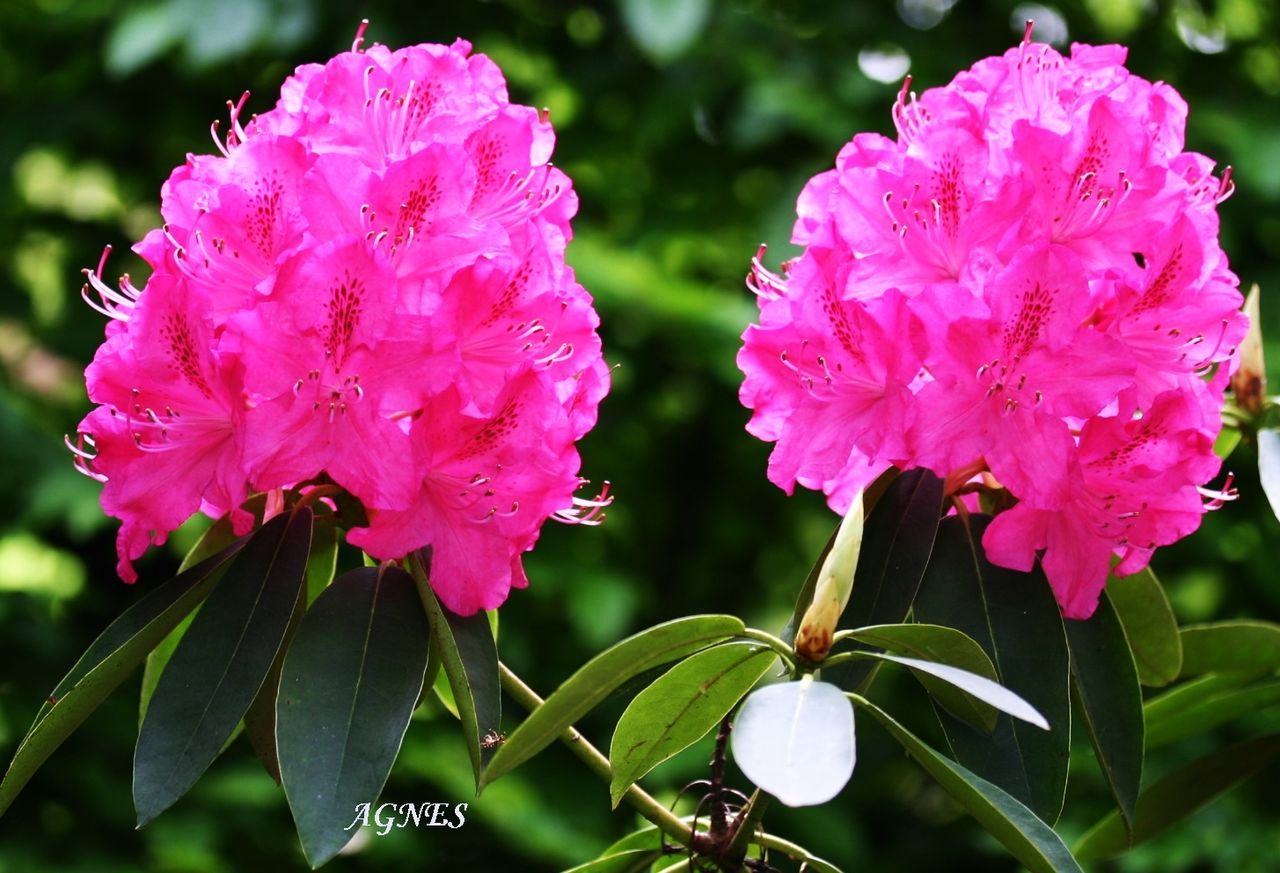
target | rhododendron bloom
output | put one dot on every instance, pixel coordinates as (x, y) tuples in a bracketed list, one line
[(1023, 290), (367, 287)]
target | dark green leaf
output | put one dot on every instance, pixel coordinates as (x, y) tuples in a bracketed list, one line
[(1179, 794), (594, 681), (220, 664), (1015, 619), (1149, 625), (1105, 681), (470, 662), (1026, 837), (260, 718), (943, 645), (112, 656), (896, 543), (347, 690), (219, 535), (1230, 645), (681, 707), (1204, 715)]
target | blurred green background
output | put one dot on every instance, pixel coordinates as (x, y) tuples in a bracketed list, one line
[(689, 127)]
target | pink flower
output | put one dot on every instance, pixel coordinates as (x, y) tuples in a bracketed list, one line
[(1025, 284), (367, 285)]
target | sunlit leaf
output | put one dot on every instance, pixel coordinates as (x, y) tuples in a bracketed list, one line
[(941, 645), (991, 693), (1149, 625), (1269, 466), (795, 740), (681, 707), (596, 679)]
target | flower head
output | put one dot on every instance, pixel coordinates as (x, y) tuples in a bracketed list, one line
[(1025, 287), (366, 284)]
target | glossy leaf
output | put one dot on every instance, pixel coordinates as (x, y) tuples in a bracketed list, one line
[(1027, 837), (117, 652), (1230, 645), (681, 707), (1208, 713), (347, 690), (469, 660), (1015, 619), (896, 543), (260, 719), (1179, 794), (1269, 467), (1149, 625), (942, 645), (795, 740), (983, 689), (220, 663), (1106, 687), (596, 679)]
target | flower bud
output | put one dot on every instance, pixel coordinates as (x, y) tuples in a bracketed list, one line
[(1249, 383), (835, 583)]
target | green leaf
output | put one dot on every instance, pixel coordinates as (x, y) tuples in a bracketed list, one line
[(681, 707), (1269, 467), (1208, 713), (1149, 625), (1105, 681), (1230, 645), (943, 645), (626, 861), (323, 562), (1226, 442), (260, 718), (1179, 794), (220, 664), (1026, 837), (470, 662), (219, 535), (1188, 694), (350, 681), (596, 679), (112, 656), (1015, 619), (896, 543)]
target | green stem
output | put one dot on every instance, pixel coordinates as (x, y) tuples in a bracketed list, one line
[(643, 802), (786, 652), (744, 830)]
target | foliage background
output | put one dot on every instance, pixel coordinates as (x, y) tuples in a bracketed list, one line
[(689, 127)]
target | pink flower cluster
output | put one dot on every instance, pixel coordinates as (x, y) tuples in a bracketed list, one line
[(367, 283), (1024, 286)]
